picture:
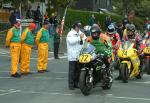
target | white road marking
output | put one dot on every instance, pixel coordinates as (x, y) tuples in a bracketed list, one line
[(9, 92), (36, 72), (51, 58), (131, 98), (38, 78), (47, 93)]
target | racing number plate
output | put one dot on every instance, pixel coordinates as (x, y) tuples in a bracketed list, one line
[(85, 58), (147, 50)]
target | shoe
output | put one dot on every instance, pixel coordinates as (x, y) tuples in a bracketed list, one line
[(57, 58), (24, 74), (40, 71), (118, 78), (76, 85), (71, 88), (16, 75), (46, 70)]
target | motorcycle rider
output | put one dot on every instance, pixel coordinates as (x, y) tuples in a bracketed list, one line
[(102, 44), (115, 41), (147, 35), (134, 37)]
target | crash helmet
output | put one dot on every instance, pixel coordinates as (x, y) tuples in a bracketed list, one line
[(130, 31), (95, 33), (148, 27), (111, 29)]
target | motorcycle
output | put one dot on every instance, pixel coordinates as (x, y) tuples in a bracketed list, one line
[(126, 53), (146, 53), (92, 70)]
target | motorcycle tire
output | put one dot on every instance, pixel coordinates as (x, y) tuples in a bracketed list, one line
[(124, 73), (107, 83), (147, 63), (107, 86), (82, 83)]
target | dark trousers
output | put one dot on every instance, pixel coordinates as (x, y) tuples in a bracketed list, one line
[(56, 48), (73, 74)]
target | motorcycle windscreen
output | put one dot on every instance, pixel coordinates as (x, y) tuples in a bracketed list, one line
[(127, 45), (89, 48)]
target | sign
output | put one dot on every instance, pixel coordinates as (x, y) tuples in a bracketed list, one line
[(26, 22)]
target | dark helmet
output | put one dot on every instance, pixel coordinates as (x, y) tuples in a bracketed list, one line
[(111, 29), (77, 24), (148, 27), (130, 27), (95, 33)]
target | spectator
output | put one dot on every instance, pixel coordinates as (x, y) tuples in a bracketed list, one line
[(38, 16), (53, 20), (46, 16), (125, 21), (12, 18), (29, 14), (120, 29), (108, 21), (17, 13), (56, 43), (92, 20)]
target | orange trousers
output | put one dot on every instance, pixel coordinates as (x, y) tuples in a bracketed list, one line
[(42, 56), (25, 58), (15, 54)]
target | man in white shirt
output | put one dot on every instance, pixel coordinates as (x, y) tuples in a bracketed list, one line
[(75, 39)]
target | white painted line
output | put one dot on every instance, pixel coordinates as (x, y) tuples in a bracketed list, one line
[(37, 78), (10, 92), (36, 72), (52, 58), (131, 98), (47, 93), (50, 78)]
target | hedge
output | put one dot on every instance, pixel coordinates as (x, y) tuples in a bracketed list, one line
[(83, 16)]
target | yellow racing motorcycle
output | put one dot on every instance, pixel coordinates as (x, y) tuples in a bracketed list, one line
[(129, 61), (146, 53)]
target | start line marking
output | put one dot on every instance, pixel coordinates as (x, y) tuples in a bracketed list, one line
[(11, 91), (52, 58)]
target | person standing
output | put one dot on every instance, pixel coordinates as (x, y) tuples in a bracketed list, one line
[(75, 39), (108, 21), (14, 41), (12, 19), (42, 39), (27, 40), (92, 20), (56, 43)]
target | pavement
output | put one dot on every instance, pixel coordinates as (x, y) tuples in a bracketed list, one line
[(52, 86)]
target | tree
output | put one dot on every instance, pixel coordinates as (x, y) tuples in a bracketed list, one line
[(140, 6)]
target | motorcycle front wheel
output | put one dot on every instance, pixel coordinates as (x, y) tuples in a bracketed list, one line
[(124, 72), (147, 63), (83, 85)]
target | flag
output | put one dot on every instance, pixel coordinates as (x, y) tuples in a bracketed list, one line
[(63, 22)]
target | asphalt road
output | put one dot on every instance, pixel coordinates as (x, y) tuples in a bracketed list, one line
[(52, 87)]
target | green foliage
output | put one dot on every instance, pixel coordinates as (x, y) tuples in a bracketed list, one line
[(141, 7), (84, 16)]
